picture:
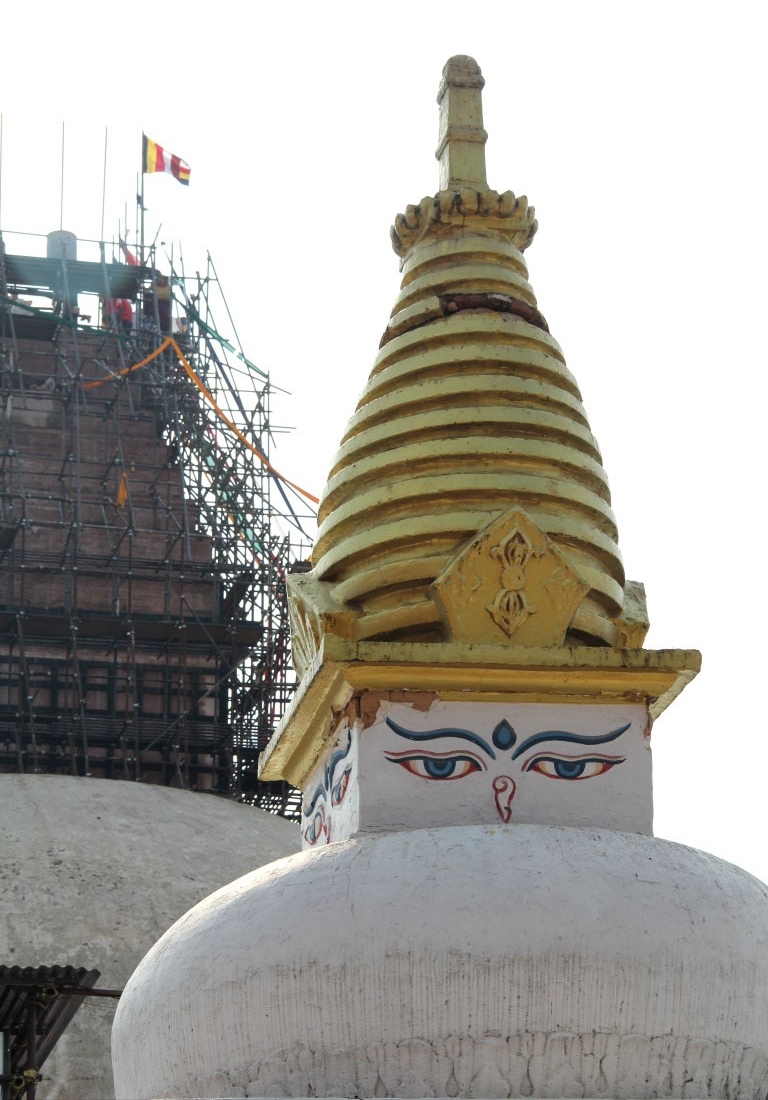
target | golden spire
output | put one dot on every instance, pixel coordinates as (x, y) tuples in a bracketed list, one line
[(461, 147), (467, 541), (468, 499)]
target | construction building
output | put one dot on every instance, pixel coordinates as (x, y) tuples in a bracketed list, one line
[(144, 536)]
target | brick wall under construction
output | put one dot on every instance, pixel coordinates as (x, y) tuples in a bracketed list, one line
[(143, 632)]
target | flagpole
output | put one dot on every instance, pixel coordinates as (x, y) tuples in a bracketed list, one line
[(1, 174), (61, 200), (141, 252), (140, 201), (104, 185)]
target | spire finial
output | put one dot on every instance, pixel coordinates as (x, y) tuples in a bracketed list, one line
[(461, 147)]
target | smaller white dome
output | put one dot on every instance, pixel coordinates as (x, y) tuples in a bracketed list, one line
[(472, 962), (93, 871)]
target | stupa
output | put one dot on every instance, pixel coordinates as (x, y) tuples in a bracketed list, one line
[(480, 908)]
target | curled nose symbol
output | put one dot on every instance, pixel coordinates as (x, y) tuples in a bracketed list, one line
[(504, 789)]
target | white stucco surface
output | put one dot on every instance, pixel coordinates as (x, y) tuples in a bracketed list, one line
[(93, 871), (396, 794), (475, 962), (471, 763)]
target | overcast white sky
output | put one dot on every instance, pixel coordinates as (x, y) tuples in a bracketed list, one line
[(636, 129)]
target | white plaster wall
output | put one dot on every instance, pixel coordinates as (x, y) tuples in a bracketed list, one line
[(388, 786), (93, 871), (472, 962), (615, 792)]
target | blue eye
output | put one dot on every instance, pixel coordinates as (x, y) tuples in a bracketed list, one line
[(569, 769), (438, 767), (314, 830), (564, 768), (339, 788)]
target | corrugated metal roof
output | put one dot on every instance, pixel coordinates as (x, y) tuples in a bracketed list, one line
[(56, 992)]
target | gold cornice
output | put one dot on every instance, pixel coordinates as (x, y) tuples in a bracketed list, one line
[(298, 743), (456, 671)]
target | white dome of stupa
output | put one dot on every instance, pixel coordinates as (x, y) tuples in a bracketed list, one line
[(475, 962)]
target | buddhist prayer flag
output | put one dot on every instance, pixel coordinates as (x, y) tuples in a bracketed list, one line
[(156, 159)]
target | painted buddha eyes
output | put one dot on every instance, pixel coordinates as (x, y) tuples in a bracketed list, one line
[(443, 767), (315, 828), (567, 768), (448, 766), (339, 788)]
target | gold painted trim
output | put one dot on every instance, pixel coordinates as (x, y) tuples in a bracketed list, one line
[(478, 673), (307, 725)]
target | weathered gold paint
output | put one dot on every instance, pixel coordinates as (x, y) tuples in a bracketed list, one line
[(544, 589), (464, 416), (461, 146), (479, 673)]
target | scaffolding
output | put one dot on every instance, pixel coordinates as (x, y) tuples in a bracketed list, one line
[(145, 536)]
